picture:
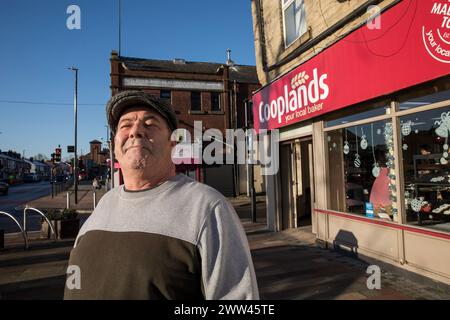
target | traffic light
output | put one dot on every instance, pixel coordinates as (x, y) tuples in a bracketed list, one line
[(58, 155)]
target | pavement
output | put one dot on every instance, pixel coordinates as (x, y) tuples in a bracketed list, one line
[(288, 265), (85, 199)]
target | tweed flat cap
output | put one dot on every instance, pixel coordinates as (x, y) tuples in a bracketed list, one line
[(125, 99)]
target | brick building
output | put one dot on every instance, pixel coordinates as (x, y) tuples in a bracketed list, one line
[(94, 163), (213, 93), (360, 97)]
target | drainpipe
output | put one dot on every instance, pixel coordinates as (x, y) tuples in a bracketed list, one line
[(250, 167)]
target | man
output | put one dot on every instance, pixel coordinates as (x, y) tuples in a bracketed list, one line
[(160, 235)]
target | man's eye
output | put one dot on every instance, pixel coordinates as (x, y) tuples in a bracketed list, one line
[(126, 125)]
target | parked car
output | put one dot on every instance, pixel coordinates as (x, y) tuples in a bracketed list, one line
[(30, 177), (4, 187), (61, 178), (82, 176)]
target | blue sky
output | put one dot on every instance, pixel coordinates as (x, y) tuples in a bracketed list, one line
[(37, 47)]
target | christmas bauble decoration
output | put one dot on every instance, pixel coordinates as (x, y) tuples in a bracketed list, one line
[(376, 170), (442, 131), (357, 161), (416, 205), (363, 143), (406, 128), (346, 148)]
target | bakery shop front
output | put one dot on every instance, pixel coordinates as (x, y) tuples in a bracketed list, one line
[(364, 146)]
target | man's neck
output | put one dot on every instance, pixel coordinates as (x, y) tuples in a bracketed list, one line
[(139, 182)]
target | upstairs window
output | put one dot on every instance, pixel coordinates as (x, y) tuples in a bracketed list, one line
[(215, 101), (196, 101), (294, 20), (165, 95)]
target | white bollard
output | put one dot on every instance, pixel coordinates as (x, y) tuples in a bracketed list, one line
[(94, 197), (68, 200)]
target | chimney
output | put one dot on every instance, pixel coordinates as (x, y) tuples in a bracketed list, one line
[(230, 62)]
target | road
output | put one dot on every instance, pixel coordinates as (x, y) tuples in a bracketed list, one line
[(14, 201)]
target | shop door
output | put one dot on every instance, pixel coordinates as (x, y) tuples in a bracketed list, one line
[(296, 183)]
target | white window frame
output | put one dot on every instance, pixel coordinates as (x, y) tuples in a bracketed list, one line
[(284, 6)]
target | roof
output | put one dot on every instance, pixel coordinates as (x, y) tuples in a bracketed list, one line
[(240, 73), (245, 74), (2, 155), (95, 142)]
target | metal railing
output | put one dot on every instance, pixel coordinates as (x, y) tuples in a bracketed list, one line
[(23, 229), (58, 187), (42, 214), (24, 235)]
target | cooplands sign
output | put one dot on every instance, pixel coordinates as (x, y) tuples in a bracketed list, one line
[(411, 47)]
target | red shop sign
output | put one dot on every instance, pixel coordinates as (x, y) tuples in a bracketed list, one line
[(411, 47)]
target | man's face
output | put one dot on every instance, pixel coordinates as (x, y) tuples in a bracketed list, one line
[(142, 140)]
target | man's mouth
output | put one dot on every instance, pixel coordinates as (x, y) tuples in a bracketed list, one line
[(137, 146)]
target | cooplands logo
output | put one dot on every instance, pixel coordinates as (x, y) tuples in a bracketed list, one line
[(436, 34), (301, 98)]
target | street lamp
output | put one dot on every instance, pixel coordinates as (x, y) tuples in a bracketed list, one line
[(111, 157), (75, 160)]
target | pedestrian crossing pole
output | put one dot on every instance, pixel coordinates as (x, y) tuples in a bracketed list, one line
[(75, 160)]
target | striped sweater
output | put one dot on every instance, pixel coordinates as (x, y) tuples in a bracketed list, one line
[(179, 240)]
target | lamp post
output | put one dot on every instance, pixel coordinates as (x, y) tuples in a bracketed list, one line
[(111, 158), (75, 159)]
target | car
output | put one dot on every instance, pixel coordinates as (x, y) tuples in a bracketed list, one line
[(30, 177), (82, 176), (4, 187), (61, 178)]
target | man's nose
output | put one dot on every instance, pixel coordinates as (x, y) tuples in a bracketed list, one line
[(137, 130)]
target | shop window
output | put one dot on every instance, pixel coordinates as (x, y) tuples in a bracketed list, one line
[(215, 101), (294, 19), (359, 113), (361, 170), (196, 101), (418, 99), (426, 168)]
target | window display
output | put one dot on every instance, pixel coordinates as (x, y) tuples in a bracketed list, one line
[(426, 168), (359, 113), (362, 172), (417, 98)]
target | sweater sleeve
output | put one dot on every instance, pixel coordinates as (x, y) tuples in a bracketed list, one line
[(226, 263)]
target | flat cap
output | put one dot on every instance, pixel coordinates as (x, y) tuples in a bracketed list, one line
[(130, 98)]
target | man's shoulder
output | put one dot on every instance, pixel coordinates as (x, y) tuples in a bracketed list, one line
[(196, 189)]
